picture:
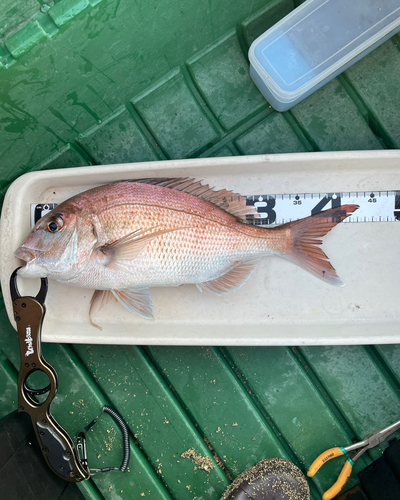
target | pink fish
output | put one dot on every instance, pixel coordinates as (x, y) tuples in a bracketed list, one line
[(123, 238)]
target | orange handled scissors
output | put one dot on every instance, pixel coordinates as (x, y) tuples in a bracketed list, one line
[(369, 442)]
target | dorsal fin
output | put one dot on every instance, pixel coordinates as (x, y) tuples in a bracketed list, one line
[(231, 202)]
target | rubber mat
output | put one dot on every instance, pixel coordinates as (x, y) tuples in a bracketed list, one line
[(90, 82)]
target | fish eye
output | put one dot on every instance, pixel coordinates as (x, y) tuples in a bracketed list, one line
[(54, 224)]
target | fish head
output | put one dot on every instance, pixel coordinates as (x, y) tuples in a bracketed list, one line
[(59, 246)]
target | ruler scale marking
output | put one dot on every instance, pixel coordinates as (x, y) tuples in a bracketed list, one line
[(375, 206)]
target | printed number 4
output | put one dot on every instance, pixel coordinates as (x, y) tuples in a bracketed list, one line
[(331, 197)]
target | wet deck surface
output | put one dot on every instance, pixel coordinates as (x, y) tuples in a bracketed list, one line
[(123, 83)]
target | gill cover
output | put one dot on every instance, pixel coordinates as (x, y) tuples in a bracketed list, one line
[(58, 247)]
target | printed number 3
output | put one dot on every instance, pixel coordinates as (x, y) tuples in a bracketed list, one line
[(269, 210)]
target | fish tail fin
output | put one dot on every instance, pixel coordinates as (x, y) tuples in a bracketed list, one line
[(306, 236)]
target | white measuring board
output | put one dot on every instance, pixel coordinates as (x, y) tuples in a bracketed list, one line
[(281, 304)]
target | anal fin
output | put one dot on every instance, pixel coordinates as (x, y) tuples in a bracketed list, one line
[(232, 280)]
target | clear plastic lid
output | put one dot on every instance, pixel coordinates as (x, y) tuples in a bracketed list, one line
[(317, 38)]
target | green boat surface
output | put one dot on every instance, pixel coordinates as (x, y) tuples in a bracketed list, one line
[(96, 82)]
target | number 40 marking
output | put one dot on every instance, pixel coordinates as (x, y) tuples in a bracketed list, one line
[(330, 197)]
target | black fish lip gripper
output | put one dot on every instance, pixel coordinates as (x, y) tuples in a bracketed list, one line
[(57, 446)]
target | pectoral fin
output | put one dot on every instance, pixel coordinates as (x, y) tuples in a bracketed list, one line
[(136, 300), (232, 280), (130, 246)]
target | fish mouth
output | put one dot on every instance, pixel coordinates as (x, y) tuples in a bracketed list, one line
[(25, 253), (31, 269)]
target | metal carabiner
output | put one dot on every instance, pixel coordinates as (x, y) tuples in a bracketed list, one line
[(81, 439)]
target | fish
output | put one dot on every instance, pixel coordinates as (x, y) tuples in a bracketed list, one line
[(123, 238)]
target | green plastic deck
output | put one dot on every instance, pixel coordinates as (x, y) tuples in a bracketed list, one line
[(91, 82)]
